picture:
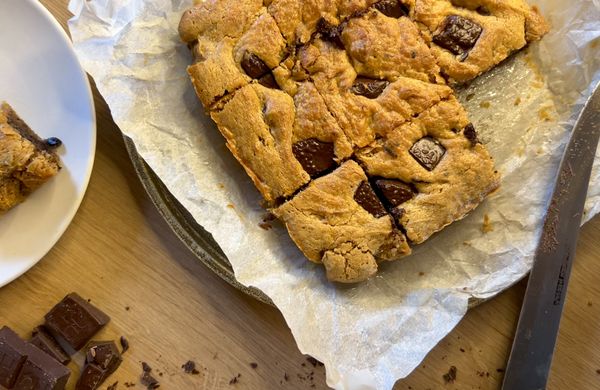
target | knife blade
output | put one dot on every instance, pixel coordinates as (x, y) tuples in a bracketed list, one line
[(535, 339)]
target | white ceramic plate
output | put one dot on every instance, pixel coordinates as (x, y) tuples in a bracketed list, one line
[(43, 81)]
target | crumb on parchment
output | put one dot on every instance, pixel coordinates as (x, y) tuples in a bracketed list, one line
[(487, 224)]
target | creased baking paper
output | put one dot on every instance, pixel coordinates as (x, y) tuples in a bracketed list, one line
[(369, 335)]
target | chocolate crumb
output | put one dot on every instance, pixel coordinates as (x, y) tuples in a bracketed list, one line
[(235, 379), (421, 273), (487, 374), (189, 367), (500, 370), (89, 300), (462, 350), (254, 365), (286, 377), (127, 308), (314, 361), (113, 386), (589, 303), (148, 380), (124, 344), (450, 376), (265, 226), (598, 371), (129, 384)]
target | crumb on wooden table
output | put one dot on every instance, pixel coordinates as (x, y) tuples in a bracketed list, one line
[(487, 224)]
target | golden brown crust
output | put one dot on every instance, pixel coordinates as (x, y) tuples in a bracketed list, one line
[(24, 164), (301, 88), (329, 226)]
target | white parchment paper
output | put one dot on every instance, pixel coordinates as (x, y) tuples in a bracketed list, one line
[(369, 335)]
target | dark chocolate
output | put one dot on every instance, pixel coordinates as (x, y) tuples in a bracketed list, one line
[(105, 355), (124, 344), (147, 379), (392, 8), (370, 88), (12, 357), (75, 320), (189, 367), (394, 192), (471, 134), (428, 152), (44, 341), (41, 371), (92, 376), (254, 66), (315, 156), (458, 34), (268, 81), (368, 200), (330, 32)]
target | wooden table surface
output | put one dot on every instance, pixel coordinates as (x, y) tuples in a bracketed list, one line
[(121, 254)]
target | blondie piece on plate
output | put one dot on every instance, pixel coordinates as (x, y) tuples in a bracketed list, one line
[(341, 114), (26, 161)]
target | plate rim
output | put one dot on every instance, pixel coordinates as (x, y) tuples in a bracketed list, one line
[(68, 218)]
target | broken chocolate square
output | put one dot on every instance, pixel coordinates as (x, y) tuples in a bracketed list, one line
[(12, 357), (44, 341), (458, 34), (428, 152), (91, 377), (75, 320), (105, 355), (254, 66), (392, 8), (370, 88), (315, 156), (368, 200), (41, 371), (395, 192)]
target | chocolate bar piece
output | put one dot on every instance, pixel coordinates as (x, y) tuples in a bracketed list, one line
[(12, 357), (101, 360), (24, 366), (44, 341), (105, 354), (75, 321)]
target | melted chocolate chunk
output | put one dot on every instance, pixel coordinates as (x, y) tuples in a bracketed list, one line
[(428, 152), (315, 156), (369, 88), (366, 198), (268, 81), (458, 34), (395, 192), (483, 10), (254, 66), (471, 134), (331, 33), (392, 8), (91, 377)]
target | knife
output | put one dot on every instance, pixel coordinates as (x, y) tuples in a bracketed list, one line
[(531, 355)]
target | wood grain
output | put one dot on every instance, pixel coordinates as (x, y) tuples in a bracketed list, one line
[(121, 254)]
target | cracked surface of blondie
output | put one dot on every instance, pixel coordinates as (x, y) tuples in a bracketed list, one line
[(341, 113)]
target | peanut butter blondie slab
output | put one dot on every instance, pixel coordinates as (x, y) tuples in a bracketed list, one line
[(26, 161), (339, 221)]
